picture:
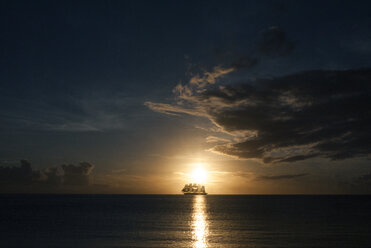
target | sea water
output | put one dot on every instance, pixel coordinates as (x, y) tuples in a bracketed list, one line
[(184, 221)]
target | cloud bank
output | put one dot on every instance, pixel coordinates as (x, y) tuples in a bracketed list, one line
[(321, 113), (52, 176)]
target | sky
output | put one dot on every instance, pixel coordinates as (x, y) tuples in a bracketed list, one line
[(122, 97)]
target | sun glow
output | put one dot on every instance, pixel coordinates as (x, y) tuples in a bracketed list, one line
[(199, 175)]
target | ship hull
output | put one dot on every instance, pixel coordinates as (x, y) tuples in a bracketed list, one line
[(194, 193)]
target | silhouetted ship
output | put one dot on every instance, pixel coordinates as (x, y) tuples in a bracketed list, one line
[(194, 189)]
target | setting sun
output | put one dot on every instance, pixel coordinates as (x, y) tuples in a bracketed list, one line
[(199, 175)]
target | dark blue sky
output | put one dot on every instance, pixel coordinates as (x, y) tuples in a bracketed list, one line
[(74, 75)]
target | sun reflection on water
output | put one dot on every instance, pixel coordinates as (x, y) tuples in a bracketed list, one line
[(199, 222)]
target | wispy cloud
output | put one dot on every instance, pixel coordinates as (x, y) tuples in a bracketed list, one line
[(201, 80), (173, 109), (87, 113), (280, 177), (214, 139)]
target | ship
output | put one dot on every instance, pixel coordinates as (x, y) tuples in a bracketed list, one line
[(194, 189)]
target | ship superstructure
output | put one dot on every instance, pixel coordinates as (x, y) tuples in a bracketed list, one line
[(194, 189)]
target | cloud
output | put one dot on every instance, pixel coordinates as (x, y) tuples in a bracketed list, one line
[(16, 175), (77, 174), (214, 139), (325, 111), (173, 110), (51, 176), (273, 43), (290, 118), (201, 80), (281, 177), (244, 174), (88, 112)]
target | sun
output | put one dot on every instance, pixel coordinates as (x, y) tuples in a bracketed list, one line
[(199, 175)]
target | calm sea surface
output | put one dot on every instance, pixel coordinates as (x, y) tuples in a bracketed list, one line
[(184, 221)]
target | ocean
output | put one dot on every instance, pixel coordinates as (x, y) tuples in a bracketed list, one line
[(177, 221)]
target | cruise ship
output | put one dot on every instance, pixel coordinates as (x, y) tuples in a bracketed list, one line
[(194, 189)]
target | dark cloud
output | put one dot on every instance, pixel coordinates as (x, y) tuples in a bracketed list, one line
[(297, 158), (309, 114), (281, 177), (52, 176), (274, 43), (16, 175), (290, 118), (77, 174)]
